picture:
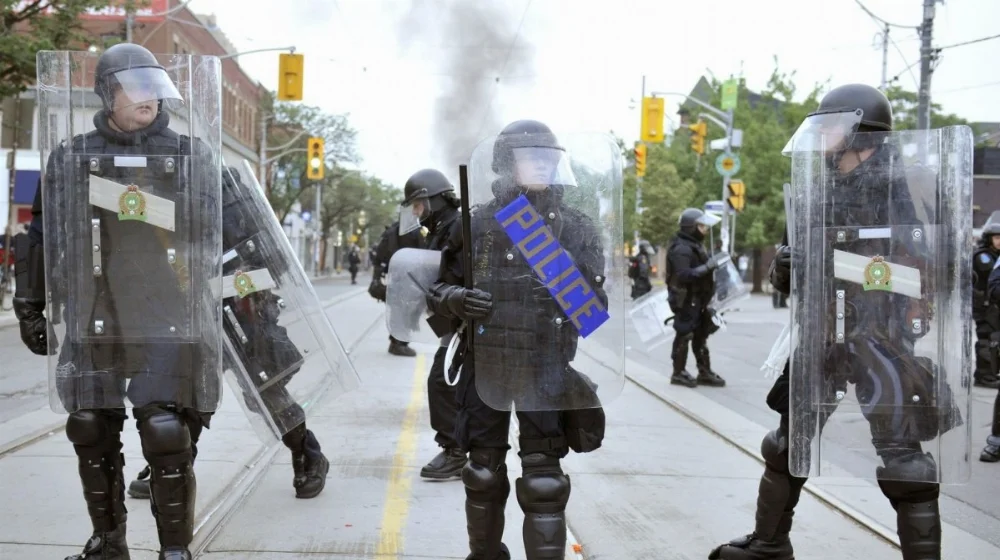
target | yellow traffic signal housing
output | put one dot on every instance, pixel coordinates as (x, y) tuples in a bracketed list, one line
[(640, 160), (314, 164), (737, 195), (698, 132), (652, 120), (290, 77)]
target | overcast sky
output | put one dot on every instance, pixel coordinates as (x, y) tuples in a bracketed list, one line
[(419, 78)]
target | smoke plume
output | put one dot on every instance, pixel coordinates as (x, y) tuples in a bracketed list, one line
[(479, 36)]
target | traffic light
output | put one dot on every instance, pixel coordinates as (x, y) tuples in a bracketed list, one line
[(651, 127), (290, 77), (698, 132), (314, 166), (640, 160), (737, 195)]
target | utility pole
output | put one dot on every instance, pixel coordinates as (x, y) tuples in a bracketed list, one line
[(638, 183), (926, 67), (724, 234), (885, 59)]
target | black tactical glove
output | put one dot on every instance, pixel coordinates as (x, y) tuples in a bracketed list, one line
[(717, 259), (781, 270), (462, 303), (34, 328), (377, 289)]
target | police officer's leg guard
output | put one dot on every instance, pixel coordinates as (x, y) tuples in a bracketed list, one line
[(679, 356), (96, 438), (991, 453), (986, 360), (918, 521), (777, 497), (543, 492), (167, 446), (308, 462), (705, 374), (486, 492)]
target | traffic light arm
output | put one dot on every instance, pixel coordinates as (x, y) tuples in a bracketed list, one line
[(290, 142), (717, 122), (290, 49), (717, 112)]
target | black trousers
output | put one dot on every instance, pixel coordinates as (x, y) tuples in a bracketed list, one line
[(441, 402)]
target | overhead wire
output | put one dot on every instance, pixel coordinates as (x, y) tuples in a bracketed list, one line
[(496, 87), (882, 21), (962, 44)]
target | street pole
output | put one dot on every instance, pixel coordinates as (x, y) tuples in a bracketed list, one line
[(638, 180), (262, 152), (129, 23), (11, 215), (926, 67), (319, 223), (885, 59), (724, 234)]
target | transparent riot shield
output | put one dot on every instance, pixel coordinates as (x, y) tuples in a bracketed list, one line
[(547, 243), (881, 296), (284, 354), (411, 274), (132, 227), (729, 287), (649, 315)]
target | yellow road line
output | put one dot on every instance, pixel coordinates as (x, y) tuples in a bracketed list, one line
[(397, 494)]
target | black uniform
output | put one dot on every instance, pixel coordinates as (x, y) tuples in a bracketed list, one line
[(521, 333), (860, 199), (985, 313), (353, 262), (262, 345), (388, 244), (138, 290), (440, 212), (690, 285), (639, 270), (991, 453)]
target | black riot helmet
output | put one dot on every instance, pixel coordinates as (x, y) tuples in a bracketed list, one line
[(526, 155), (646, 248), (130, 69), (692, 217), (989, 230), (845, 119), (425, 194)]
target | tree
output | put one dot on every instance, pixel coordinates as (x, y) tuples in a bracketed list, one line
[(665, 194), (29, 26), (904, 111), (343, 205), (289, 120)]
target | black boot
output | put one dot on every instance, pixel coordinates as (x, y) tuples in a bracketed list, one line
[(139, 488), (991, 453), (308, 462), (919, 528), (172, 498), (986, 380), (679, 356), (105, 546), (705, 374), (777, 497), (448, 464), (398, 348), (103, 479)]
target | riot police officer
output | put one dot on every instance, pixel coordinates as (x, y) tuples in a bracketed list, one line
[(523, 341), (390, 242), (690, 286), (869, 188), (991, 453), (123, 297), (640, 268), (271, 351), (985, 313), (429, 202)]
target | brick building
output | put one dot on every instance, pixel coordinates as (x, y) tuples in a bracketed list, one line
[(179, 32)]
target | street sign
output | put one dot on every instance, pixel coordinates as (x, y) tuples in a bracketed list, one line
[(727, 165), (714, 207), (729, 94)]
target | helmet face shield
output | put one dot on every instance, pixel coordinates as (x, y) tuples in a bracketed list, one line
[(824, 133), (412, 213), (145, 85), (539, 168)]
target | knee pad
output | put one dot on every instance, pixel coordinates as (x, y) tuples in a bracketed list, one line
[(909, 479), (485, 474), (543, 488), (166, 439), (90, 428), (774, 450)]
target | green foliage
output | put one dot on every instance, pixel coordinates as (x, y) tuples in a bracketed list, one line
[(27, 27)]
